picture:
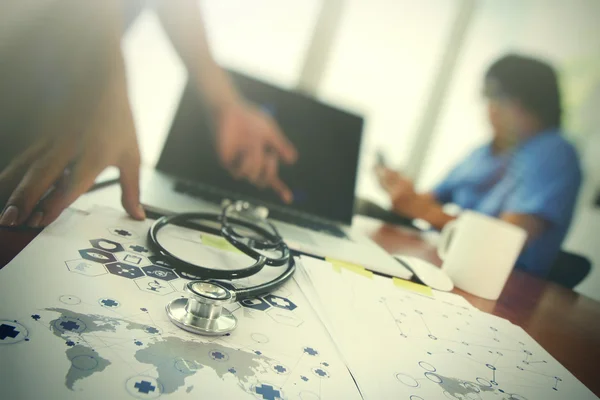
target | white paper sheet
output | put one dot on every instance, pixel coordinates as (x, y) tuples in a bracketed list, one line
[(401, 345), (452, 298), (82, 316)]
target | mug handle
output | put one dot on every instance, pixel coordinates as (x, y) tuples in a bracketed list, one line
[(445, 239)]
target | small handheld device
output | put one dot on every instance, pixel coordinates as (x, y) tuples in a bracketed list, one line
[(380, 159)]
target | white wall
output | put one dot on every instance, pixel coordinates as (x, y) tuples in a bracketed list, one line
[(156, 78), (382, 65), (264, 38)]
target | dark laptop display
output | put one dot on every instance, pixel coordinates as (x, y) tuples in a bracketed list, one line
[(327, 139)]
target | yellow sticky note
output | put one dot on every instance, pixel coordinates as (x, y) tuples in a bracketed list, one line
[(413, 287), (357, 269), (218, 242)]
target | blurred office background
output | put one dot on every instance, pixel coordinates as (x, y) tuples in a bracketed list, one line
[(413, 69)]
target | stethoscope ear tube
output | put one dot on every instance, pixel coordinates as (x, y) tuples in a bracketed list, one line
[(255, 291), (204, 311), (180, 265), (252, 247)]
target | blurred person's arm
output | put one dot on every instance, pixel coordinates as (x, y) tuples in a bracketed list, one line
[(406, 201), (249, 142), (547, 191), (91, 130)]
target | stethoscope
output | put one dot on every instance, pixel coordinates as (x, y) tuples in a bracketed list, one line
[(203, 311)]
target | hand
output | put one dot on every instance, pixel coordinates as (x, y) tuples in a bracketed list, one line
[(39, 187), (400, 189), (396, 185), (250, 145)]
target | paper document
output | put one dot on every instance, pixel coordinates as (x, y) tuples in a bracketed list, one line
[(402, 345), (83, 316)]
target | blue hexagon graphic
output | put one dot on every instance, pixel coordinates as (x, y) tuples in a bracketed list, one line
[(124, 270), (86, 267), (123, 233), (138, 248), (160, 261), (255, 303), (280, 302), (106, 245), (97, 255), (157, 272)]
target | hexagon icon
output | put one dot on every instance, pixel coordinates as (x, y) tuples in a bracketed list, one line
[(255, 303), (160, 261), (124, 270), (284, 317), (280, 302), (161, 273), (138, 248), (106, 245), (85, 267), (123, 233), (134, 259), (97, 255), (152, 285)]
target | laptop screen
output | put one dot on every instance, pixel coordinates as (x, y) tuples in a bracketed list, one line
[(327, 140)]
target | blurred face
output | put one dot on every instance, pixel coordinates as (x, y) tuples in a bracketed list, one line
[(502, 117), (504, 113)]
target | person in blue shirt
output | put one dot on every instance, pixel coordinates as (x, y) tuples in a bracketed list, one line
[(528, 174)]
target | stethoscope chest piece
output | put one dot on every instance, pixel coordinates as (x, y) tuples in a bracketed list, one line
[(203, 312)]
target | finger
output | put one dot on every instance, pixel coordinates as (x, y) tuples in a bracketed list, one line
[(230, 151), (227, 145), (269, 171), (12, 174), (282, 190), (235, 168), (10, 178), (252, 163), (391, 177), (38, 179), (282, 146), (130, 186), (36, 219), (271, 178), (72, 186)]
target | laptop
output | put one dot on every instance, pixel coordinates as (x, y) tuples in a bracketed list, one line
[(190, 177)]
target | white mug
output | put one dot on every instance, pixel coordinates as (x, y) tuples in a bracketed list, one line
[(479, 252)]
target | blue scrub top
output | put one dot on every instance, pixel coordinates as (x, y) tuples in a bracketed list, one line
[(540, 177)]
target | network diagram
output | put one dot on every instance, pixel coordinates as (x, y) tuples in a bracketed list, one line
[(405, 345), (275, 353), (494, 358)]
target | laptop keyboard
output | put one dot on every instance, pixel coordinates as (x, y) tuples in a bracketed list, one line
[(279, 213)]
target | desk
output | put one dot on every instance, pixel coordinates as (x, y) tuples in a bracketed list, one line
[(566, 324)]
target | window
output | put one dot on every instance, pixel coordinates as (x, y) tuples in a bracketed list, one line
[(263, 38), (382, 65)]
